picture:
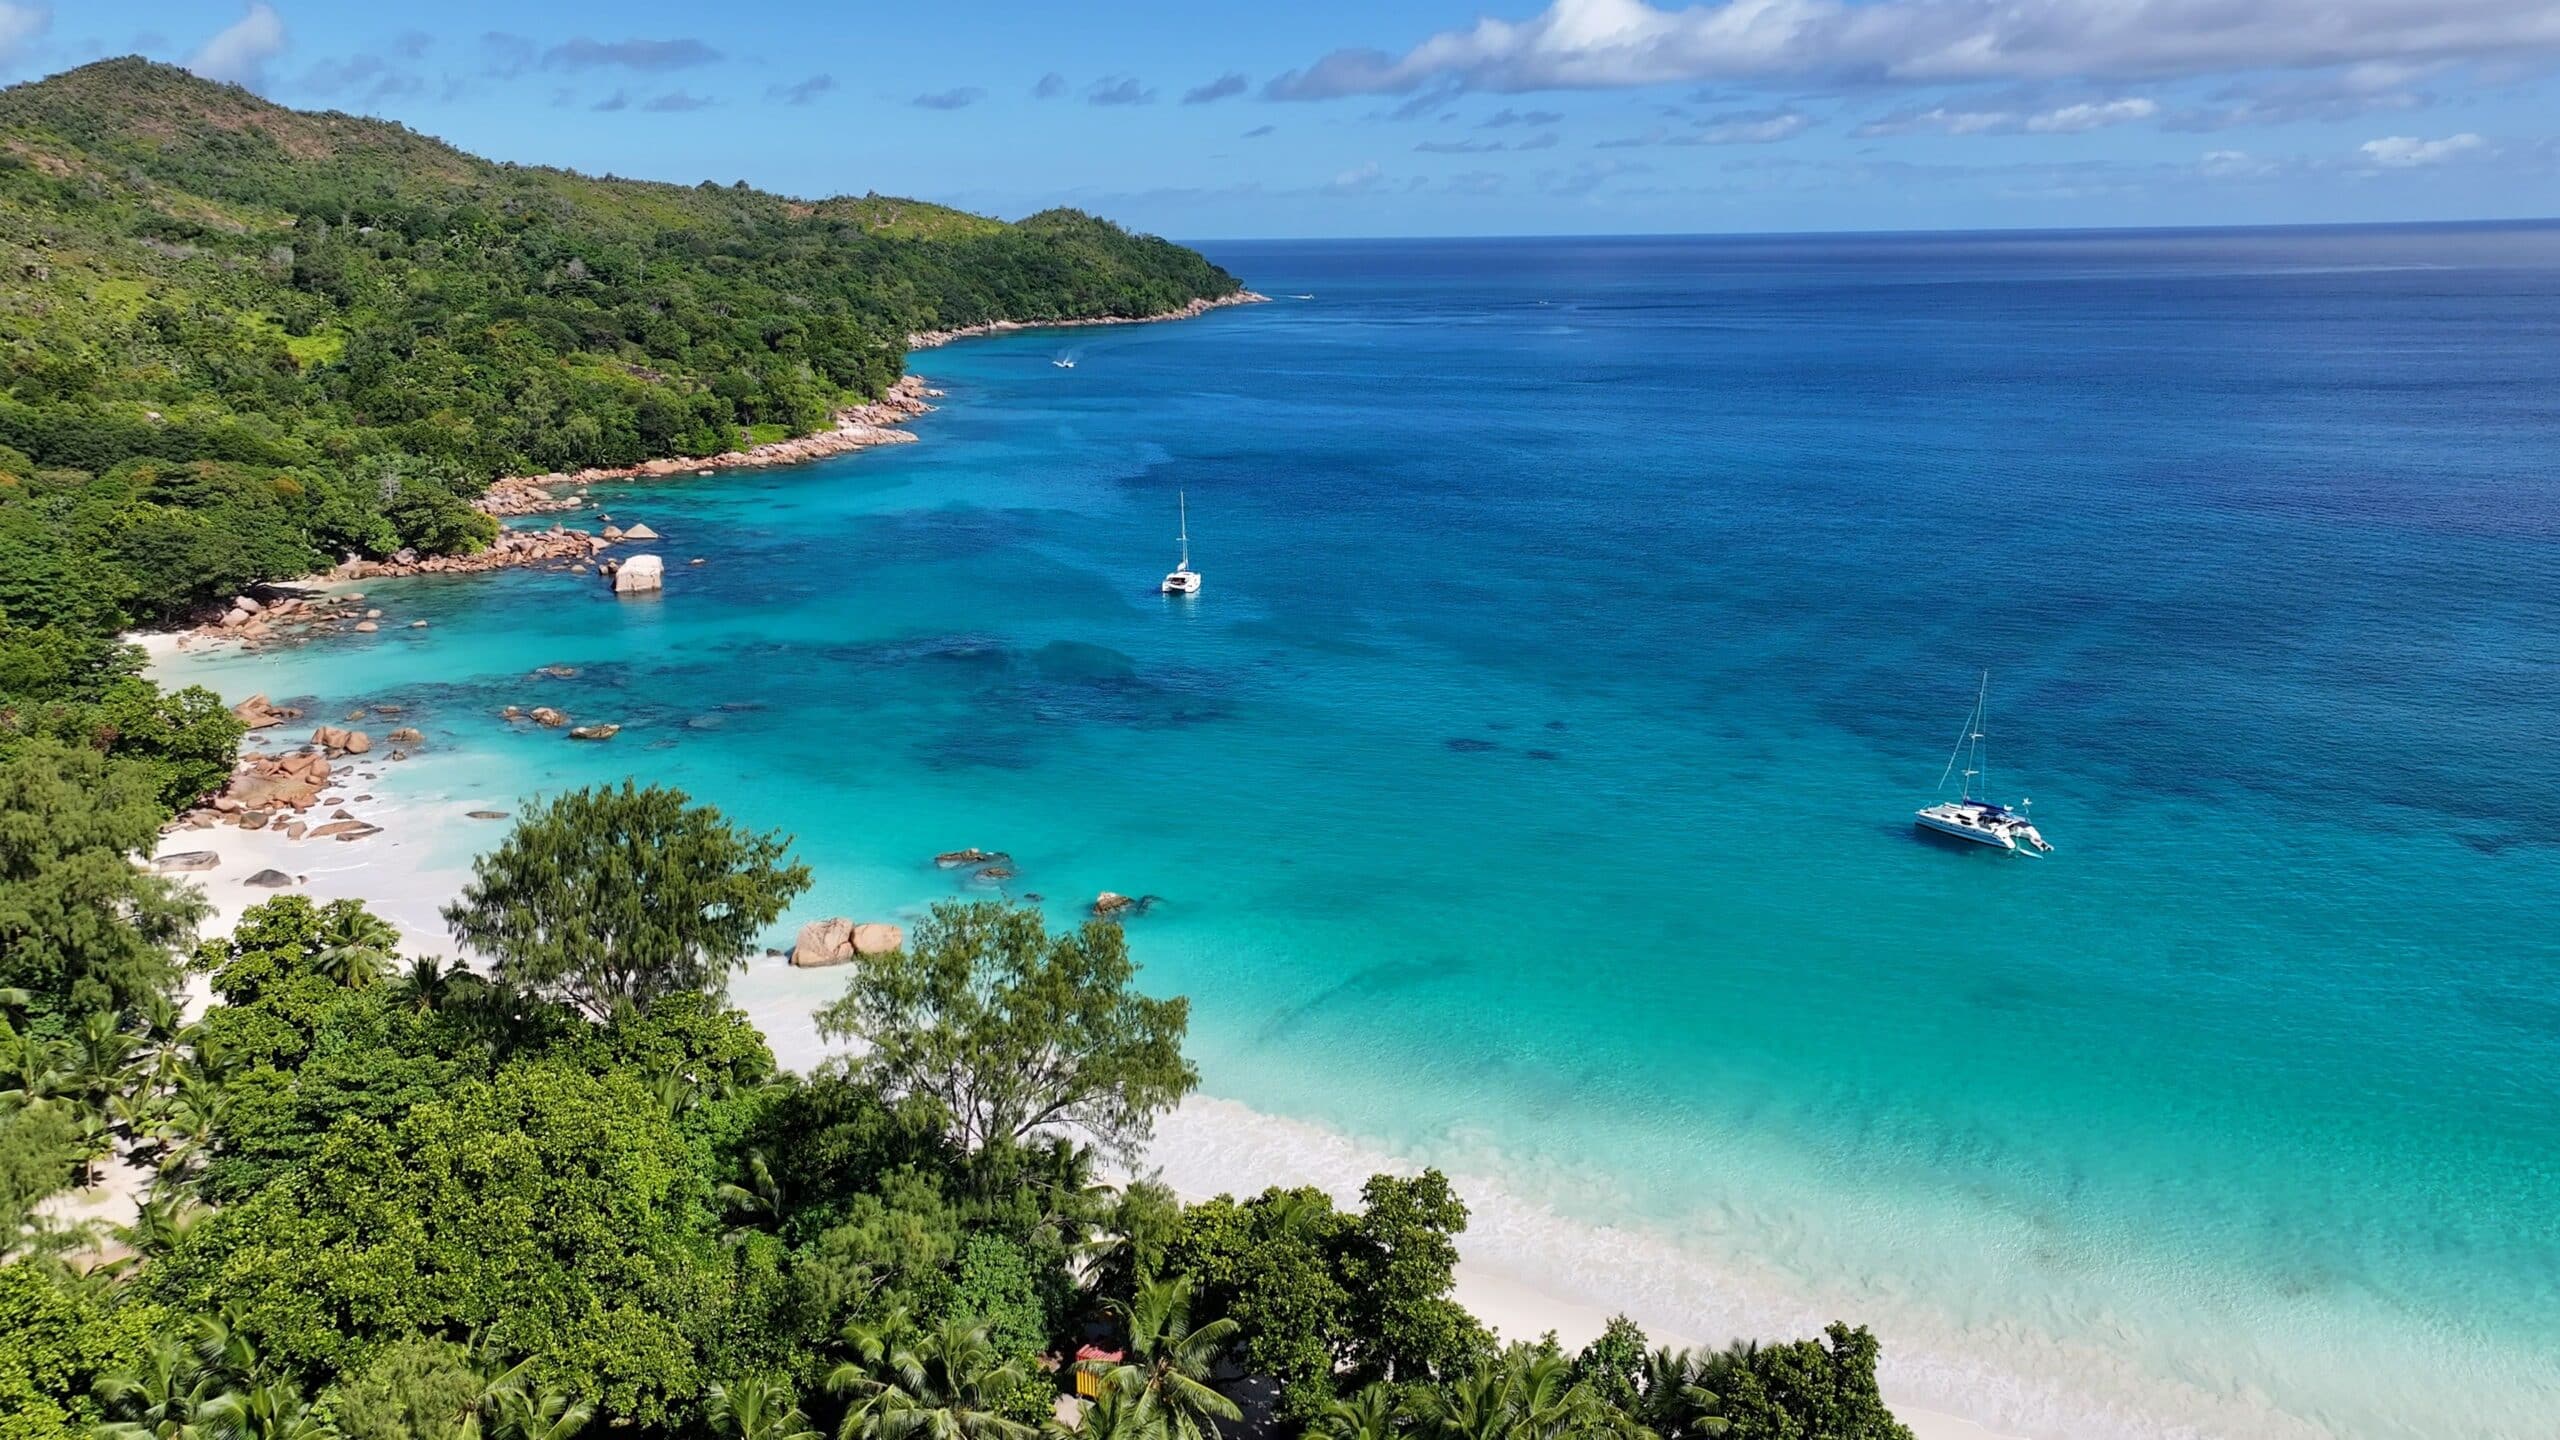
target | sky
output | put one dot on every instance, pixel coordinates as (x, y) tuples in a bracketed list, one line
[(1206, 119)]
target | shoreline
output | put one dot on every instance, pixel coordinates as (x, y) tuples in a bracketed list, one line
[(935, 339), (408, 869), (427, 809), (856, 428)]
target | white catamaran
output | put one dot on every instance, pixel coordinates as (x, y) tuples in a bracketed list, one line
[(1184, 580), (1982, 822)]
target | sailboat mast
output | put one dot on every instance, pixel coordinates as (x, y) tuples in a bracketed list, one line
[(1182, 507), (1981, 739)]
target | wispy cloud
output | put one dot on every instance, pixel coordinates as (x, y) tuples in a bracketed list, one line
[(370, 79), (1049, 86), (239, 52), (802, 92), (504, 56), (1544, 141), (1507, 116), (1742, 127), (1605, 44), (618, 100), (1752, 127), (958, 99), (2333, 95), (21, 25), (583, 53), (1230, 84), (677, 102), (1258, 131), (2060, 120), (2234, 165), (2408, 152), (1119, 90)]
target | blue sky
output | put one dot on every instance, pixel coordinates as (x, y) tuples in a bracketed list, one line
[(1425, 117)]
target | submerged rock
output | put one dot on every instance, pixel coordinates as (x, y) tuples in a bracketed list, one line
[(955, 859), (595, 732)]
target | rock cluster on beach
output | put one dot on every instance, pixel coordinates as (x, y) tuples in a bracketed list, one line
[(857, 428), (513, 548), (838, 940), (928, 339), (277, 791)]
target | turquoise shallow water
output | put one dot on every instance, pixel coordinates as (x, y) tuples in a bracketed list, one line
[(1529, 791)]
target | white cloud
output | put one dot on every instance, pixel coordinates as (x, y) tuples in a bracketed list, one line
[(2063, 120), (240, 53), (2233, 165), (1753, 129), (1359, 180), (2408, 152), (21, 23), (1603, 44)]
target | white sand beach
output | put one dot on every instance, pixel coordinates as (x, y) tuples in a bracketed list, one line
[(418, 862)]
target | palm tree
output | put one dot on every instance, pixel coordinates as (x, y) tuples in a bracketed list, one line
[(1369, 1414), (1672, 1398), (1171, 1360), (272, 1411), (160, 1222), (168, 1393), (427, 984), (517, 1413), (754, 1206), (758, 1407), (943, 1385), (1116, 1413), (1526, 1395), (356, 946)]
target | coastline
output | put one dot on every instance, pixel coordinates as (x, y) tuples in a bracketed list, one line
[(407, 872), (428, 810), (858, 427), (934, 339)]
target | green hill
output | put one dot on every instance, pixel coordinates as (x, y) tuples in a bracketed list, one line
[(238, 340)]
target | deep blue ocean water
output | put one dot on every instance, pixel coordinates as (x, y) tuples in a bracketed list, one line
[(1529, 791)]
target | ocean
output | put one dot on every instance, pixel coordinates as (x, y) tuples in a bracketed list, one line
[(1528, 792)]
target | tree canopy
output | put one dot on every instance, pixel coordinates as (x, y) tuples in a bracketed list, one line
[(615, 897), (1012, 1031)]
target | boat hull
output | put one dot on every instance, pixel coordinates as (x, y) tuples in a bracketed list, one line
[(1955, 830)]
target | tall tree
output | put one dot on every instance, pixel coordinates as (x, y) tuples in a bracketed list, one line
[(1819, 1389), (81, 929), (1014, 1031), (1400, 1266), (612, 898), (1171, 1360)]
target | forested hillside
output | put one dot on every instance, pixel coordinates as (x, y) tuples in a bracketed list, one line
[(237, 341)]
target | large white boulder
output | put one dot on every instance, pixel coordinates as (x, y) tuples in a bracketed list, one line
[(640, 572)]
